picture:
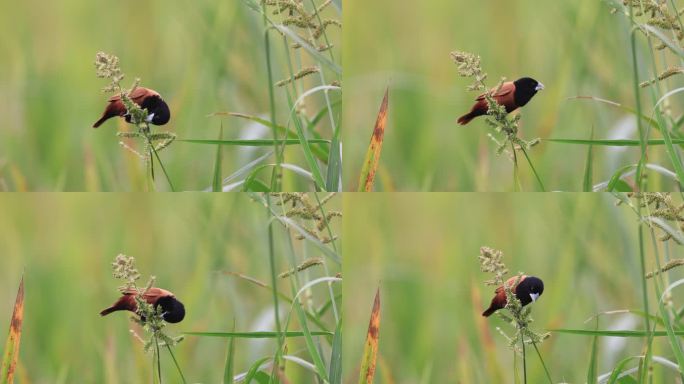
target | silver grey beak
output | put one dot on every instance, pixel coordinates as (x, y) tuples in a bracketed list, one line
[(539, 87), (534, 296)]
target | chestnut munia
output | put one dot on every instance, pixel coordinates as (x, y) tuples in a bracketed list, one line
[(512, 95), (173, 311), (527, 290), (157, 110)]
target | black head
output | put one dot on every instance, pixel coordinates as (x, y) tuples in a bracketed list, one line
[(173, 311), (157, 108), (529, 290), (525, 88)]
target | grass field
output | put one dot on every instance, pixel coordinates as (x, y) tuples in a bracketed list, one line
[(203, 57), (65, 244), (575, 48), (423, 255)]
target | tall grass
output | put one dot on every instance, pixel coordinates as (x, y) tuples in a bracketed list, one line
[(286, 212)]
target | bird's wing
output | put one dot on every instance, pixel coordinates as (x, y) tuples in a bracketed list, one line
[(510, 282), (153, 294), (505, 89), (137, 95)]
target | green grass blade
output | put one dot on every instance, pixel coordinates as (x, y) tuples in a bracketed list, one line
[(251, 177), (616, 178), (217, 185), (669, 43), (310, 345), (318, 151), (161, 165), (313, 51), (670, 149), (675, 344), (614, 143), (255, 143), (244, 169), (323, 112), (614, 333), (591, 373), (589, 166), (258, 334), (255, 368), (230, 360), (11, 353), (312, 317), (175, 363), (333, 179), (615, 374), (315, 169), (336, 356), (534, 170)]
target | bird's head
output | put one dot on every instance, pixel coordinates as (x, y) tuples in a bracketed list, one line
[(525, 88)]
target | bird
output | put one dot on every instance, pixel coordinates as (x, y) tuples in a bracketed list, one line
[(527, 290), (173, 311), (512, 95), (157, 110)]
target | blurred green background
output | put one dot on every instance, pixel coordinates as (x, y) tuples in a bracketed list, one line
[(65, 244), (572, 47), (202, 56), (423, 250)]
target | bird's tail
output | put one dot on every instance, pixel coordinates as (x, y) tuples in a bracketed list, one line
[(109, 310), (489, 311), (465, 119), (102, 120)]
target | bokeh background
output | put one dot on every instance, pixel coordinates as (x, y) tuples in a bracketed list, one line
[(422, 251), (64, 245), (203, 56), (572, 47)]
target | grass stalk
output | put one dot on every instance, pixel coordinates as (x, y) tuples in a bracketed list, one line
[(158, 358), (546, 369), (277, 171), (635, 68), (274, 277), (175, 362), (516, 177), (310, 159), (644, 290), (524, 358), (536, 175), (153, 150)]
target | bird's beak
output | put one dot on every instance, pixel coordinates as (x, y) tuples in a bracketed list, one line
[(150, 117), (534, 296), (539, 87)]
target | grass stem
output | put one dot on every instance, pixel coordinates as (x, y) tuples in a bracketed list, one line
[(158, 355), (175, 362), (536, 175), (546, 369), (524, 357), (274, 285)]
